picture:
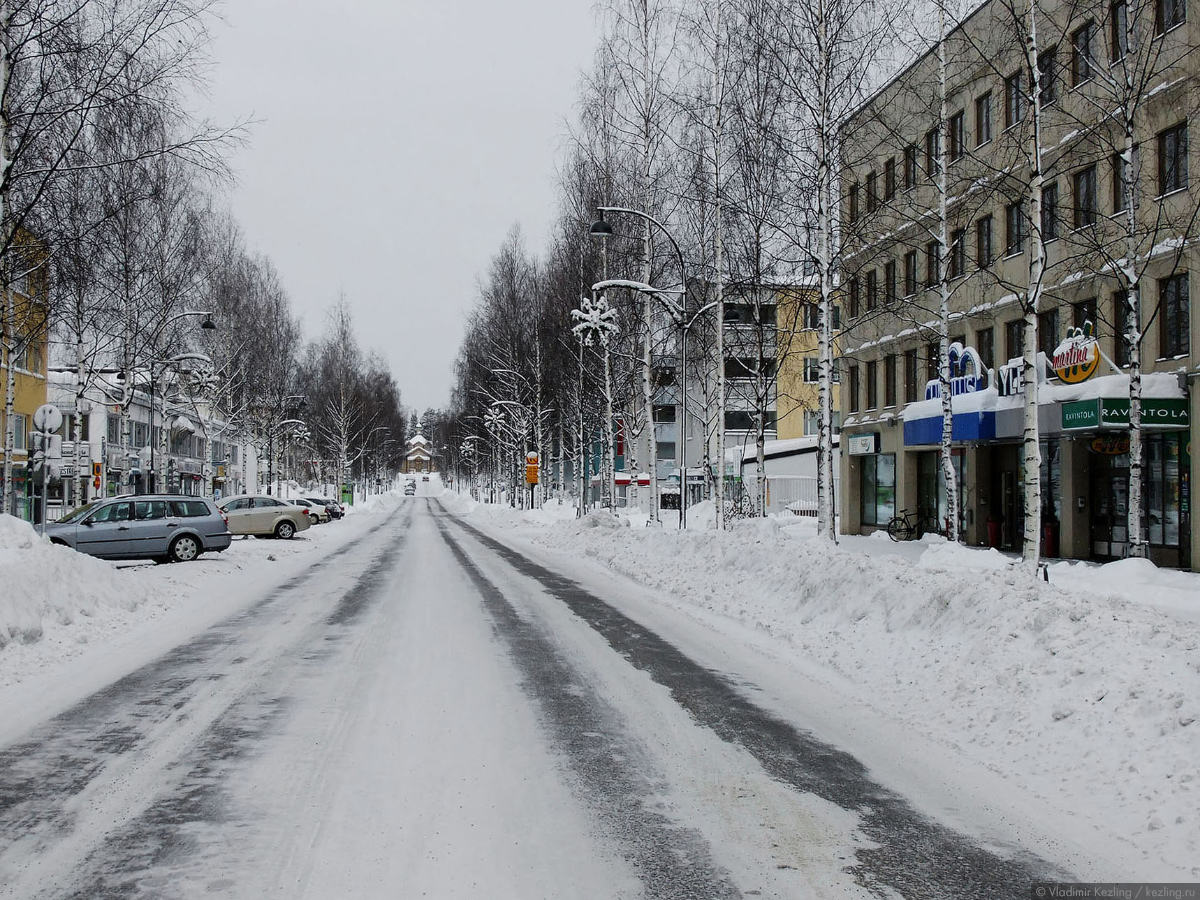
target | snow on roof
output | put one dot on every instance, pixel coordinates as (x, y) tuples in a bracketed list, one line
[(771, 449)]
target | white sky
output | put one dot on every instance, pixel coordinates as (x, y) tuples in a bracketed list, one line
[(398, 141)]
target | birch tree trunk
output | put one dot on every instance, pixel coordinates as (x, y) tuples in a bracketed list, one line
[(944, 373)]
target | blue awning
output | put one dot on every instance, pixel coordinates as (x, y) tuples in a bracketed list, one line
[(968, 426)]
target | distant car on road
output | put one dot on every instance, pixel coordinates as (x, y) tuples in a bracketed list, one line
[(162, 527), (424, 477), (264, 516), (316, 512), (335, 508), (410, 488)]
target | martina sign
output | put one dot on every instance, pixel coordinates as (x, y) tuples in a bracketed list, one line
[(1078, 356)]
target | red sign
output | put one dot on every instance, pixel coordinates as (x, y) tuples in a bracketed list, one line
[(1111, 444)]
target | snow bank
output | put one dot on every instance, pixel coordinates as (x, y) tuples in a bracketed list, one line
[(1079, 694), (44, 583)]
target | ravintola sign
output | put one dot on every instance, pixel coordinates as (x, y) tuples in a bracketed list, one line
[(1078, 356), (1114, 413)]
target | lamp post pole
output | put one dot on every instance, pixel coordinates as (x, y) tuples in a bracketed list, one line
[(602, 229)]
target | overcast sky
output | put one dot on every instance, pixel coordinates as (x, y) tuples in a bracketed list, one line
[(399, 140)]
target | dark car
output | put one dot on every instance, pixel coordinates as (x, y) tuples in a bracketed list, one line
[(162, 527), (335, 508)]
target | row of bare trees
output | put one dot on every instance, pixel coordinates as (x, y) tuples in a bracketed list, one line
[(112, 245)]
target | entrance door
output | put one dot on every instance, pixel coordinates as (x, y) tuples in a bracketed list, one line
[(1110, 523)]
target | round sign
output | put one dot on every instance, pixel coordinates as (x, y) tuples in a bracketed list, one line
[(47, 417)]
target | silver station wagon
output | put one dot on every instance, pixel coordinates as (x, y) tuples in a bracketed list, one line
[(162, 527)]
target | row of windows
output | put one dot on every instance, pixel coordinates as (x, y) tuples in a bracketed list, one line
[(1084, 211), (920, 365), (1168, 14)]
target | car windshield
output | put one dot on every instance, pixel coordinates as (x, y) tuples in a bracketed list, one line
[(76, 514)]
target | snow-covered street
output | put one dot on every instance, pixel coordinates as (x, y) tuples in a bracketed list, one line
[(437, 699)]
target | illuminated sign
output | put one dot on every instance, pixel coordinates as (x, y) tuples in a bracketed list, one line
[(967, 373), (1077, 357)]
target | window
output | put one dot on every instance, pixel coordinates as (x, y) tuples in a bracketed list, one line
[(1084, 311), (872, 384), (872, 191), (1118, 23), (1122, 347), (877, 488), (932, 146), (812, 369), (872, 289), (889, 282), (664, 413), (1168, 14), (1174, 337), (983, 119), (1081, 54), (1014, 345), (1085, 197), (853, 214), (1014, 222), (1014, 99), (889, 178), (933, 264), (1048, 76), (1118, 181), (1172, 159), (910, 166), (889, 380), (812, 317), (1164, 501), (985, 345), (910, 273), (933, 358), (958, 253), (1050, 212), (911, 386), (983, 242), (958, 135), (854, 297), (149, 509), (665, 450), (113, 435), (1048, 332), (852, 389), (20, 431), (837, 318)]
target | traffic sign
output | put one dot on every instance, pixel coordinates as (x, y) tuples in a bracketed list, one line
[(531, 468), (47, 417)]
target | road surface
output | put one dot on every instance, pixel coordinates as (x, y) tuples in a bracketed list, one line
[(429, 713)]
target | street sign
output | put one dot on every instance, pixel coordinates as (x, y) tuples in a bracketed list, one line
[(67, 471), (531, 468), (47, 417)]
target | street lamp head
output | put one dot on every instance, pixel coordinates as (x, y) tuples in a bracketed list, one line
[(208, 324), (600, 228)]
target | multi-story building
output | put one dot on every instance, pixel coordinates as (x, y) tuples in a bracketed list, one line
[(799, 363), (1094, 207), (24, 323)]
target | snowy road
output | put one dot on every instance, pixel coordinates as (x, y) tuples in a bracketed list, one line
[(426, 712)]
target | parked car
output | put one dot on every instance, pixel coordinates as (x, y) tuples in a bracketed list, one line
[(162, 527), (264, 516), (316, 512), (410, 488), (335, 508)]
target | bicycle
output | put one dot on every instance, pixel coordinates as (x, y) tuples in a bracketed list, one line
[(909, 526)]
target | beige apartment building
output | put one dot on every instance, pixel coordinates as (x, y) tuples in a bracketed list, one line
[(1094, 62)]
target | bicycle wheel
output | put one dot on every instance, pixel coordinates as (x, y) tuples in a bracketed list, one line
[(899, 529), (930, 525)]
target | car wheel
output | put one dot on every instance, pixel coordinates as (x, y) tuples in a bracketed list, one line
[(285, 530), (315, 520), (184, 548)]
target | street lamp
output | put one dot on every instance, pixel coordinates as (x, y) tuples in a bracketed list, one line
[(677, 310), (174, 360), (292, 401)]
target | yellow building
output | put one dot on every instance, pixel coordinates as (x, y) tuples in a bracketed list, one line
[(799, 369), (23, 318)]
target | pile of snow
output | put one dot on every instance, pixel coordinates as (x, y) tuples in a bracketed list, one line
[(45, 584), (1077, 693)]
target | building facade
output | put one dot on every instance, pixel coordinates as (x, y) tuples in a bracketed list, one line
[(1114, 217)]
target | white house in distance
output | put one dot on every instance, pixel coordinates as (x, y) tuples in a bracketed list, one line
[(419, 456)]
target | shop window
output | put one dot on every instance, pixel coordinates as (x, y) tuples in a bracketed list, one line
[(1174, 330), (1051, 477), (1163, 489), (878, 488)]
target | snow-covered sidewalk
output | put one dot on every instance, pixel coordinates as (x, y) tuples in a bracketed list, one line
[(1084, 691)]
